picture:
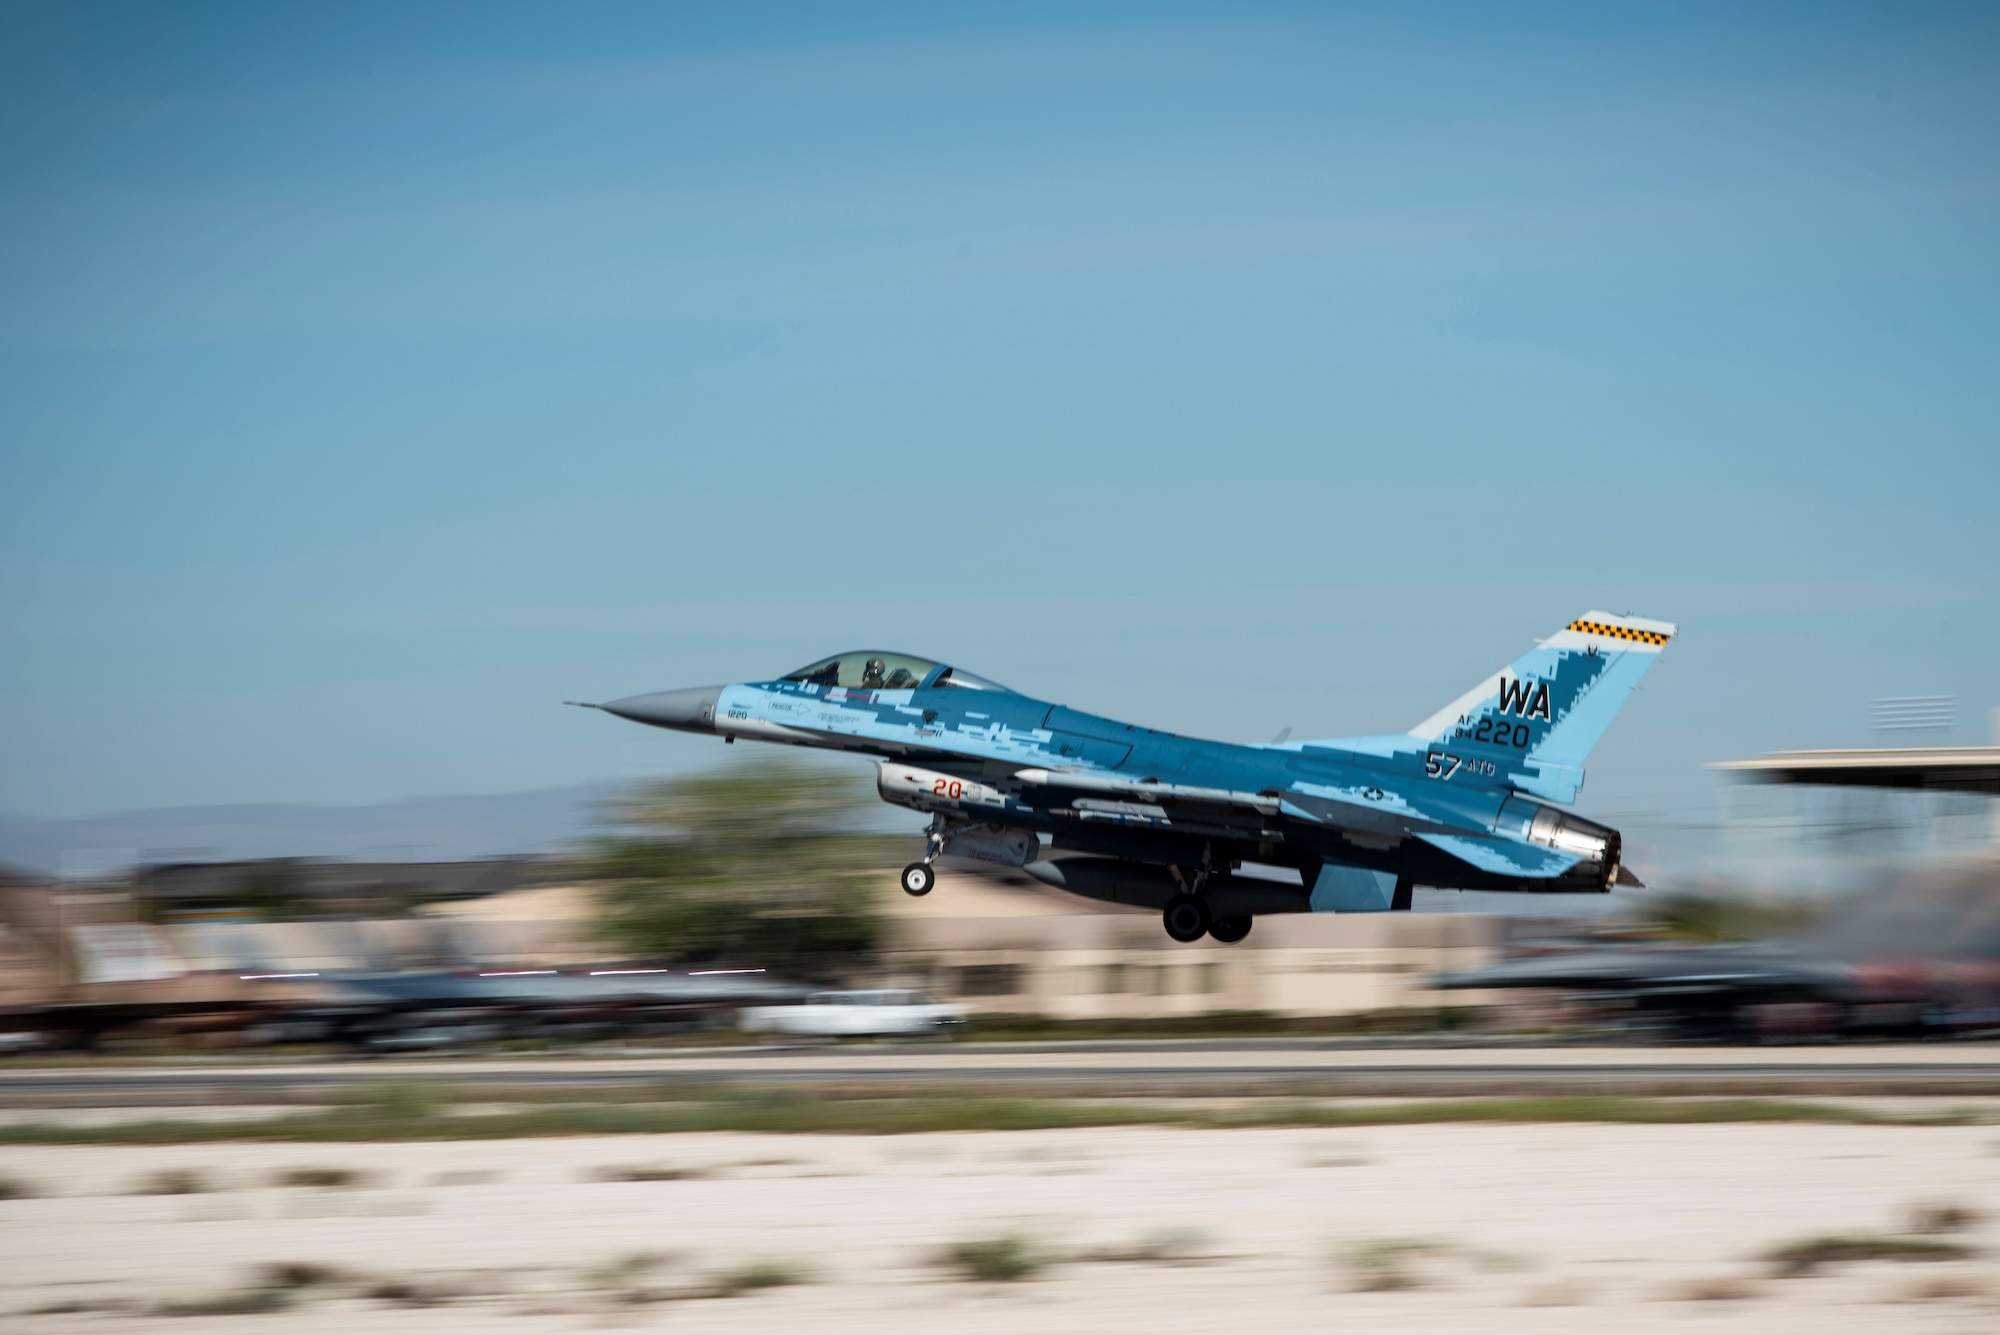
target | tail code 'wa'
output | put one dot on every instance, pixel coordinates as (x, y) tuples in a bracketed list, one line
[(1515, 698), (1557, 700)]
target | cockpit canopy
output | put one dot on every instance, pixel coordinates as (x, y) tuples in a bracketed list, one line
[(880, 670)]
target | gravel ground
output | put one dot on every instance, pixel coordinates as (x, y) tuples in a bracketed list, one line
[(1530, 1228)]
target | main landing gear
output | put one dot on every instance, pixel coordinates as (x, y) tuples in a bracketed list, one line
[(1230, 930), (1187, 918)]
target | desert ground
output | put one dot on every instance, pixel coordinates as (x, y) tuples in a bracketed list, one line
[(1401, 1228)]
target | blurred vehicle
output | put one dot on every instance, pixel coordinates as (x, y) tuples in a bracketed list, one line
[(1460, 801), (409, 1011), (1918, 960), (877, 1014), (412, 1009)]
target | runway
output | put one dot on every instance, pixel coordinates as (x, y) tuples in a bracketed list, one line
[(1131, 1070)]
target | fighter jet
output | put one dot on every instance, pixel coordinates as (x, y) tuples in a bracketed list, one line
[(1213, 833)]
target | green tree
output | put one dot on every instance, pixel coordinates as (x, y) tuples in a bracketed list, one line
[(274, 889), (757, 864), (1694, 915)]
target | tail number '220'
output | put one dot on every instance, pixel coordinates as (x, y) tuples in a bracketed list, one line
[(1441, 766)]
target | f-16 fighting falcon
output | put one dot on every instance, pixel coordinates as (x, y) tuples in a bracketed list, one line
[(1461, 801)]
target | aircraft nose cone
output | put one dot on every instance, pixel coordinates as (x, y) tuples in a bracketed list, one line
[(692, 710)]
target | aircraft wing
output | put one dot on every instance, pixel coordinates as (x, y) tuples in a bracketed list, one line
[(1372, 817), (1191, 809)]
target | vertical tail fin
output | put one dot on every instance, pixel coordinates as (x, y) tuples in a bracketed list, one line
[(1536, 719)]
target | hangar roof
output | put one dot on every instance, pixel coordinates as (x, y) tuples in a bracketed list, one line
[(1957, 769)]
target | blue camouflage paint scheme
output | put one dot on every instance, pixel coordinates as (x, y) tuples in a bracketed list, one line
[(1449, 803), (1586, 690), (1503, 856)]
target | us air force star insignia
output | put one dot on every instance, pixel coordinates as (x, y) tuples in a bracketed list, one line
[(1372, 794)]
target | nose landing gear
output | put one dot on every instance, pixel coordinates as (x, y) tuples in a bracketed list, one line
[(918, 878)]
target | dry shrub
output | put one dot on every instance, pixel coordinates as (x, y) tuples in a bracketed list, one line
[(321, 1176), (1388, 1265), (1936, 1217), (276, 1286), (299, 1275), (1945, 1288), (248, 1301), (174, 1182), (621, 1276), (1557, 1293), (622, 1279), (466, 1177), (1716, 1289), (82, 1307), (1000, 1259), (753, 1277), (1808, 1255), (1334, 1156), (403, 1292), (624, 1269), (431, 1290), (1166, 1246), (648, 1173)]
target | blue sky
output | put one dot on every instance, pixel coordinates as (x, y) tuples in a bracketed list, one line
[(373, 378)]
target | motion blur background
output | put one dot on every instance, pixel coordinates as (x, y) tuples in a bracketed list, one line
[(374, 378)]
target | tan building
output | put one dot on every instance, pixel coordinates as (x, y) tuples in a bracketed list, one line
[(990, 939), (1005, 944)]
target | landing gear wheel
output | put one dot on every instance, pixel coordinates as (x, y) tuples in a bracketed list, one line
[(1185, 918), (918, 878), (1230, 930)]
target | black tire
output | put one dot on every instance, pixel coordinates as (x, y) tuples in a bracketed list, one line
[(1401, 902), (918, 879), (1230, 930), (1185, 918)]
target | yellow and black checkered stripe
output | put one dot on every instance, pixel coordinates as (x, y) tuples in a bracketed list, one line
[(1620, 632)]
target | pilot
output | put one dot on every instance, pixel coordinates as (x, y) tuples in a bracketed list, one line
[(871, 674)]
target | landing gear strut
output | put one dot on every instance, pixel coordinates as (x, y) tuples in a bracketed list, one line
[(918, 878), (1186, 918)]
